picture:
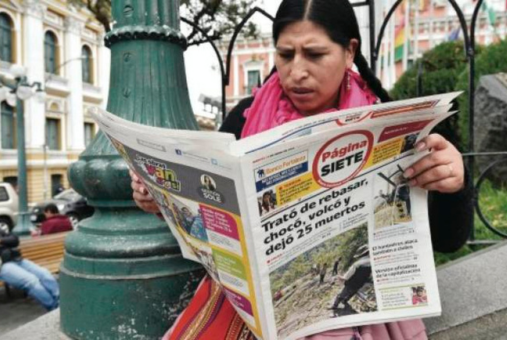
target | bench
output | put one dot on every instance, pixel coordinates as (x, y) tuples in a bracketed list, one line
[(46, 251)]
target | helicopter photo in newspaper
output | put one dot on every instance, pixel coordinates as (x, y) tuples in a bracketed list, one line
[(331, 280), (392, 202)]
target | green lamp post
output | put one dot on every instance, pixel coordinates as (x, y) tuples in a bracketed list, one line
[(18, 91), (123, 276)]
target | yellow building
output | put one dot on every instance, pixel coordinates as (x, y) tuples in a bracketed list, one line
[(60, 46)]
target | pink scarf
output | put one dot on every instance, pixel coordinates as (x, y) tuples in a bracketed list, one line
[(271, 107)]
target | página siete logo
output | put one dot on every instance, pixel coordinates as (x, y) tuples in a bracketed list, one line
[(342, 158)]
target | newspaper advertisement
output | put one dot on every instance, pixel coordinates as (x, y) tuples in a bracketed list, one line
[(307, 227)]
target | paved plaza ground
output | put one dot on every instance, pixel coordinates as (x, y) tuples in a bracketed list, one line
[(17, 310)]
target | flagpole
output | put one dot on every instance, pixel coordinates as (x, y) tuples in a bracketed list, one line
[(447, 27), (392, 66), (407, 35), (416, 33), (431, 24), (385, 50)]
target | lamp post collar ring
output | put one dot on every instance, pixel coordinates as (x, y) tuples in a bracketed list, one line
[(141, 32)]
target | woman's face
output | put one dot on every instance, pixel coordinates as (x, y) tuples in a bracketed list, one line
[(311, 66)]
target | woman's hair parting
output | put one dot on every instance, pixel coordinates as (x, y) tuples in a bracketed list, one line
[(337, 17)]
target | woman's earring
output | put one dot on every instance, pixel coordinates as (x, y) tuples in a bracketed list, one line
[(348, 80)]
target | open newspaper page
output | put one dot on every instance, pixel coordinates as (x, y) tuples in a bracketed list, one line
[(196, 185), (341, 239), (307, 227)]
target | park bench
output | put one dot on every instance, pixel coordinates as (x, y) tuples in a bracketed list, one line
[(46, 251)]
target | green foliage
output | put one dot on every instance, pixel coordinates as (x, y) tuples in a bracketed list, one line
[(215, 17), (493, 203), (441, 67), (489, 60), (218, 18)]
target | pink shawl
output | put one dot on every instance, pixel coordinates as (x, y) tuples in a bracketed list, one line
[(272, 108)]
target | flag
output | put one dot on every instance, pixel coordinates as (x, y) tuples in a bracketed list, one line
[(399, 41), (454, 35), (490, 13)]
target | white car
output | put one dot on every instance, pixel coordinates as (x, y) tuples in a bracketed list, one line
[(8, 207)]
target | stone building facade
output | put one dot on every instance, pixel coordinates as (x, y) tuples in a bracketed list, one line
[(61, 47)]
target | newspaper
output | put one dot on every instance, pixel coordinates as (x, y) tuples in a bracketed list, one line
[(307, 227)]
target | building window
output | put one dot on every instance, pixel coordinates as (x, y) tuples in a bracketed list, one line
[(12, 180), (86, 55), (253, 80), (89, 133), (8, 123), (53, 133), (6, 38), (56, 184), (50, 53), (4, 195)]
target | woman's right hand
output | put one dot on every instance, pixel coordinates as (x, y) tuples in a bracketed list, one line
[(141, 195)]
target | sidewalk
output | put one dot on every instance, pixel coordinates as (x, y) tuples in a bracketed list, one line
[(17, 310)]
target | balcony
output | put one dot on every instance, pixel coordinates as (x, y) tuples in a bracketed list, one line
[(92, 93)]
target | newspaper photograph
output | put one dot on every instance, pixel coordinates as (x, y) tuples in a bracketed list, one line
[(307, 227)]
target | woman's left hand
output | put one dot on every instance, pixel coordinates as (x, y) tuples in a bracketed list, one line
[(441, 170)]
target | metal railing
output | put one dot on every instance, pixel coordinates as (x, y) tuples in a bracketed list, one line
[(375, 45)]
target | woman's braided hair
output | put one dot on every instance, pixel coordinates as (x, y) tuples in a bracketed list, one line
[(338, 18)]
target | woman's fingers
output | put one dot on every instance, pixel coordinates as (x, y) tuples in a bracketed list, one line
[(434, 174), (433, 141), (141, 195), (139, 188), (426, 163), (442, 169), (447, 185), (134, 176), (146, 202)]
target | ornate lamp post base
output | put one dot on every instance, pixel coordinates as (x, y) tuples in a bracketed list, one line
[(135, 291), (123, 276)]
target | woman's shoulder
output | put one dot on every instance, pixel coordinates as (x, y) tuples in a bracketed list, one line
[(235, 120)]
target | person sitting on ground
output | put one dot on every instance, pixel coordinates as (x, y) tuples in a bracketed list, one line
[(54, 222), (23, 274)]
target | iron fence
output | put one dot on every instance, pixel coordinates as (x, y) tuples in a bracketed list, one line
[(375, 45)]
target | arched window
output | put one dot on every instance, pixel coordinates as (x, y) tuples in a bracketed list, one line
[(50, 53), (6, 38), (86, 55), (8, 123)]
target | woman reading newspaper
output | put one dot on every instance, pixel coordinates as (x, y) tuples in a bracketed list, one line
[(317, 44)]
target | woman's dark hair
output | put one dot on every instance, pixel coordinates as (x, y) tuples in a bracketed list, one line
[(51, 208), (337, 17)]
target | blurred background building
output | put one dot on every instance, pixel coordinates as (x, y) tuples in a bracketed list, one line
[(62, 47), (422, 24), (417, 27)]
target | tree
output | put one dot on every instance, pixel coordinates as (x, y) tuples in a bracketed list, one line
[(441, 69), (490, 60), (215, 17)]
